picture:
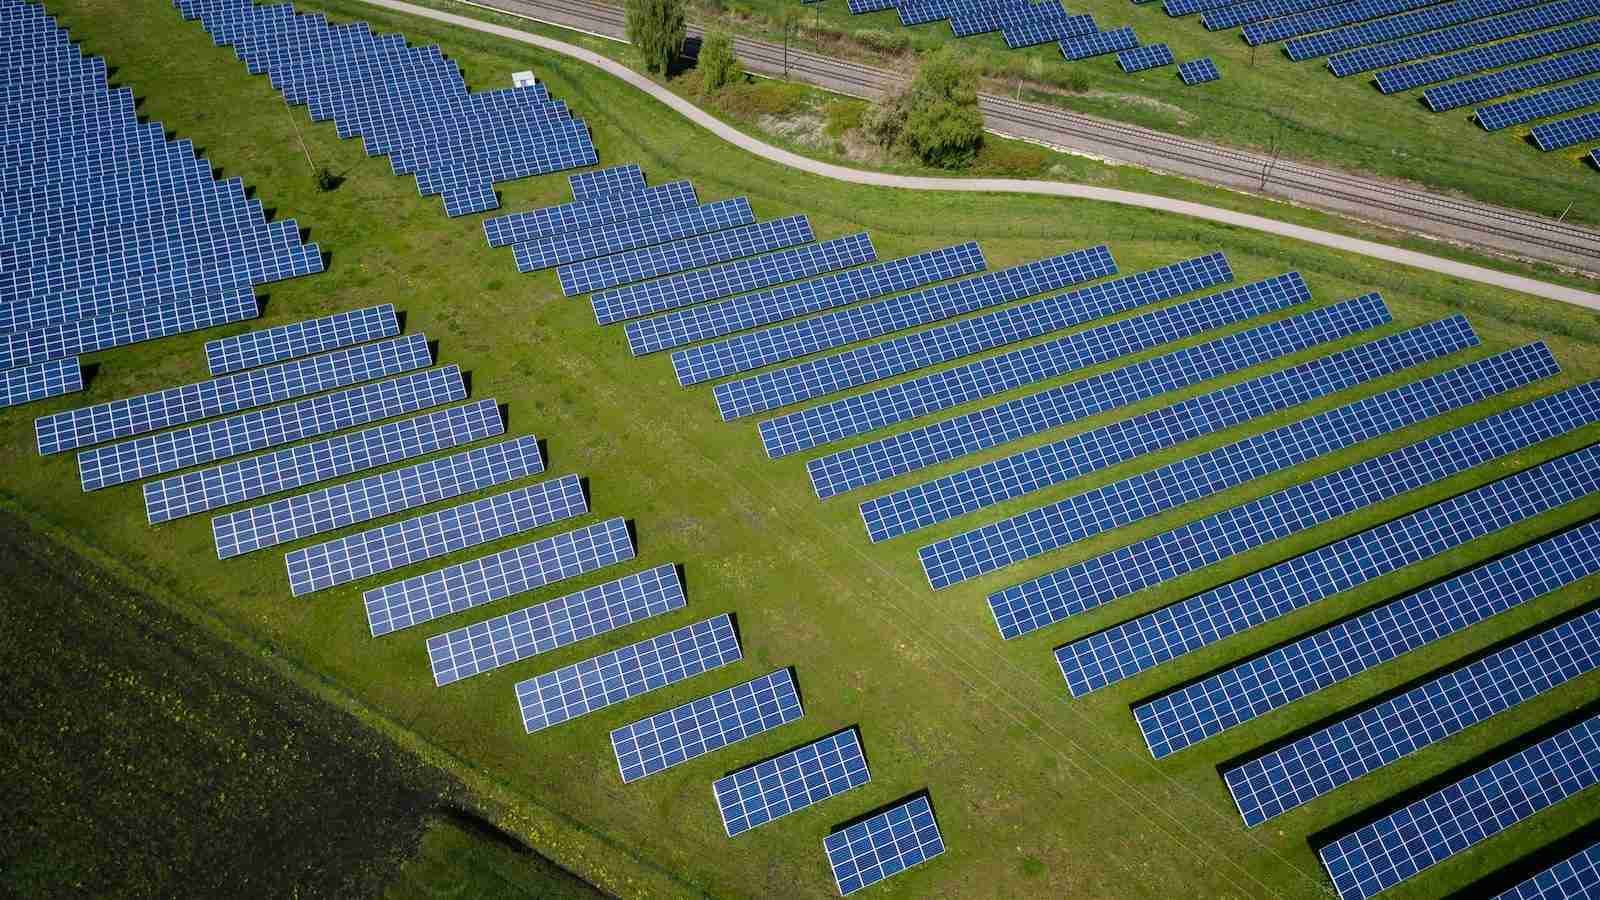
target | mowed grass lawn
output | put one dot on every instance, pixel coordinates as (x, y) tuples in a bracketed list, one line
[(1037, 795)]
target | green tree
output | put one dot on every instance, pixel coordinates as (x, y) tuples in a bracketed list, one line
[(941, 125), (718, 65), (656, 28)]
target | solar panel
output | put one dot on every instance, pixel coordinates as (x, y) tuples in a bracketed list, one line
[(698, 286), (1545, 103), (884, 845), (1026, 471), (610, 678), (1574, 878), (648, 262), (979, 430), (693, 729), (1324, 18), (783, 342), (1255, 687), (342, 505), (145, 323), (1304, 506), (1198, 71), (1084, 46), (795, 300), (1028, 33), (26, 384), (1509, 81), (1594, 157), (172, 407), (424, 598), (1428, 18), (1566, 132), (616, 237), (964, 337), (1148, 57), (1270, 785), (389, 547), (602, 182), (528, 632), (195, 445), (806, 776), (1478, 59), (503, 231), (1448, 821), (1364, 59)]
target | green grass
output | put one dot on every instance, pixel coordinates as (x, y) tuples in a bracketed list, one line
[(1037, 796)]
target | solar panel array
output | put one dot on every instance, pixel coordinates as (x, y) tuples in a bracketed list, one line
[(120, 329), (1427, 18), (629, 234), (1478, 59), (1509, 81), (354, 502), (979, 430), (1031, 32), (1566, 132), (661, 741), (1051, 527), (884, 845), (424, 598), (410, 103), (988, 331), (1198, 71), (1099, 43), (561, 622), (1448, 821), (1220, 15), (272, 345), (1365, 59), (1251, 689), (1545, 103), (401, 544), (503, 231), (1147, 57), (1272, 784), (610, 678), (625, 268), (26, 384), (941, 499), (1574, 878), (624, 179), (803, 777)]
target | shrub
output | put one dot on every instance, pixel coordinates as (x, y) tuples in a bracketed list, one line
[(718, 66), (844, 116), (656, 28), (936, 116), (883, 41), (325, 178)]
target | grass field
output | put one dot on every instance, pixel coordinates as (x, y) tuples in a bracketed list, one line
[(1037, 796)]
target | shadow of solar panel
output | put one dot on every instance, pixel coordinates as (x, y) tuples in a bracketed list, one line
[(297, 339), (1566, 132), (702, 726), (1198, 71), (1316, 764), (600, 183), (1426, 19), (701, 285), (795, 300), (1253, 688), (1545, 103), (665, 259), (1442, 824), (1287, 587), (1098, 43), (1148, 57), (796, 339), (145, 323), (805, 776), (616, 237), (172, 407), (37, 382), (529, 632), (475, 582), (1569, 879), (610, 678), (1039, 467), (1364, 59), (988, 331), (195, 445), (884, 845), (979, 430), (1478, 59), (434, 534), (551, 220), (1052, 527)]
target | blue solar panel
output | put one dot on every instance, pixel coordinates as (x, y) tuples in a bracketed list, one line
[(1022, 33), (1015, 419), (795, 300), (860, 7), (783, 342), (602, 182), (1198, 71), (1594, 157), (1478, 59), (629, 234), (964, 337), (1338, 754), (755, 795), (354, 502), (1545, 103), (624, 268), (1428, 18), (37, 382), (1099, 43), (884, 845), (475, 582), (693, 729), (562, 622), (1323, 18), (1257, 686), (172, 407), (1364, 59), (1176, 8), (389, 547), (503, 231), (1575, 878), (610, 678), (1566, 132), (1221, 15), (940, 499), (145, 323), (1510, 81), (196, 445), (698, 286), (1448, 821), (1148, 57), (1291, 511)]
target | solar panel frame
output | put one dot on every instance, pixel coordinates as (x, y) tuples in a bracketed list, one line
[(691, 730), (883, 845), (27, 384), (800, 778), (692, 252)]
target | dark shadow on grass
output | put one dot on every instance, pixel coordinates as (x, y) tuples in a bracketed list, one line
[(1497, 883), (90, 370)]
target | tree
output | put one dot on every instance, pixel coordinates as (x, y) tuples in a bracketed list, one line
[(936, 117), (718, 65), (657, 28)]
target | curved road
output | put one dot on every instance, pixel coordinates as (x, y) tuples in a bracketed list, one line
[(1008, 185)]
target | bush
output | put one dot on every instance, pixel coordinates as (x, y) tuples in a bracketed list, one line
[(325, 178), (718, 66), (844, 116), (883, 41), (656, 28), (936, 116)]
